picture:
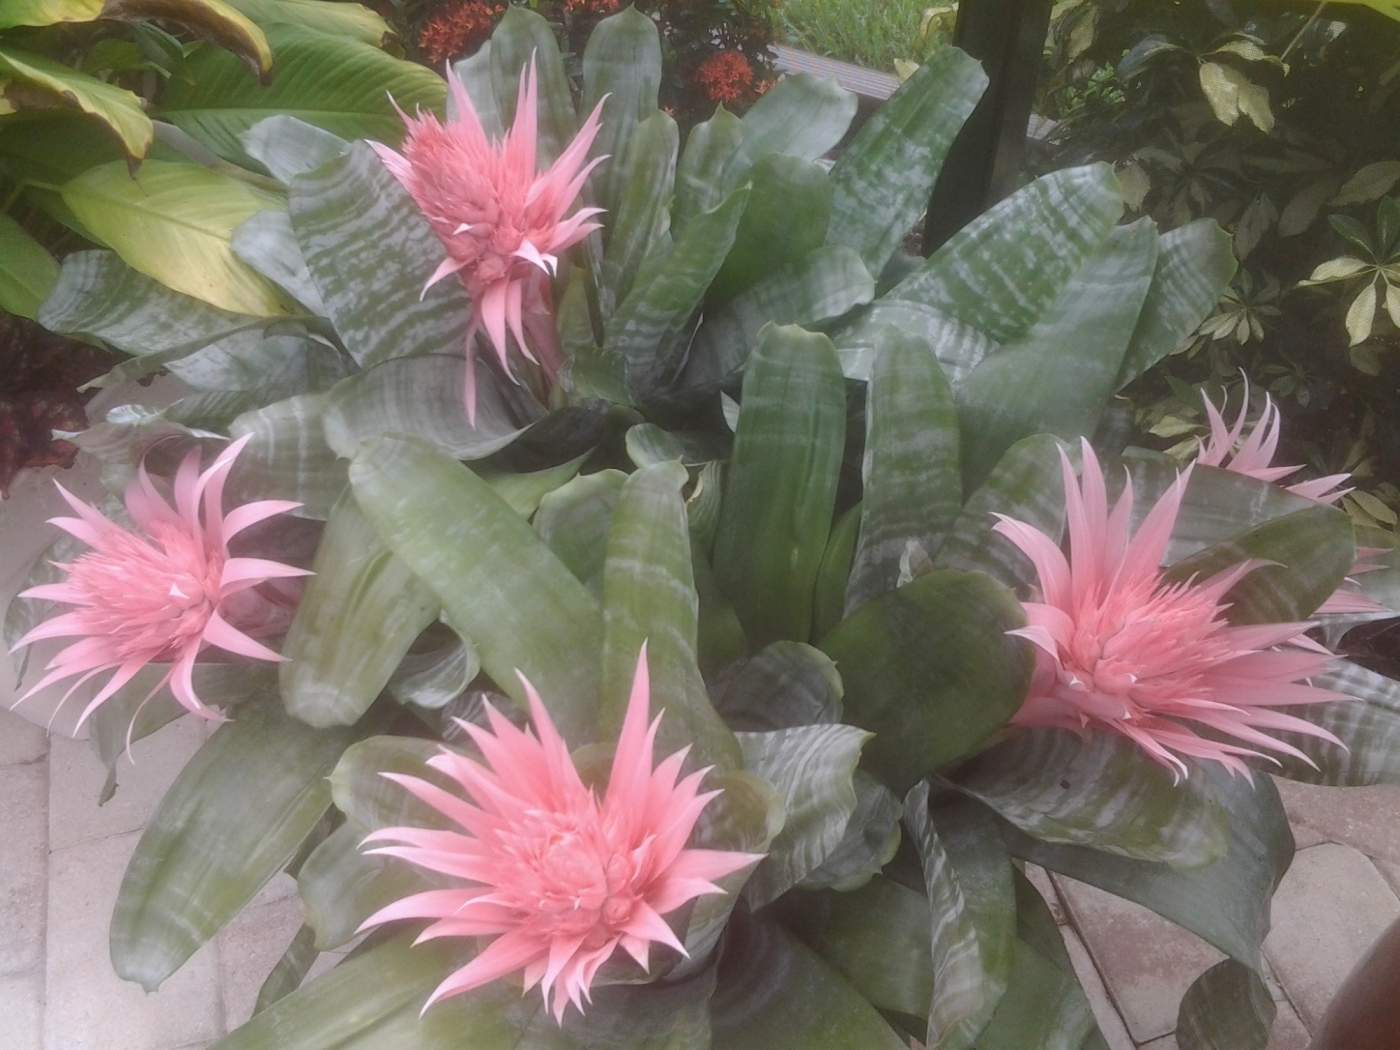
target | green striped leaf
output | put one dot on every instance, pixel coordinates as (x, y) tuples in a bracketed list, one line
[(829, 599), (775, 991), (649, 597), (959, 348), (335, 83), (288, 457), (1226, 1008), (1051, 379), (289, 971), (1194, 269), (497, 581), (574, 520), (699, 176), (268, 246), (522, 37), (785, 684), (27, 270), (337, 18), (822, 285), (356, 620), (1369, 726), (786, 218), (884, 176), (648, 328), (645, 174), (288, 147), (436, 671), (1225, 902), (1001, 273), (802, 116), (364, 795), (1099, 791), (813, 770), (869, 842), (781, 486), (622, 61), (370, 253), (910, 659), (234, 817), (911, 478)]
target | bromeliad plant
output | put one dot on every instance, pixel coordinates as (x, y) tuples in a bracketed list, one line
[(819, 486)]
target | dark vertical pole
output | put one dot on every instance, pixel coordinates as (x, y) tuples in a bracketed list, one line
[(1007, 37)]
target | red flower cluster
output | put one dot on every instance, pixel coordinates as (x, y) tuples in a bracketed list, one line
[(457, 29), (725, 77), (591, 7)]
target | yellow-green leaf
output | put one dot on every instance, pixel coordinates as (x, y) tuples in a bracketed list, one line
[(47, 12), (1231, 95), (1338, 269), (119, 109), (27, 270), (214, 20), (335, 19), (1362, 315), (1392, 303), (1369, 183), (174, 222)]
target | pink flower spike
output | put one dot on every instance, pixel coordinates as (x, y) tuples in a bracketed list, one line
[(502, 221), (159, 592), (558, 878), (1120, 648)]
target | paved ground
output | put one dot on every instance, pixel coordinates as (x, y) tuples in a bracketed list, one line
[(62, 858)]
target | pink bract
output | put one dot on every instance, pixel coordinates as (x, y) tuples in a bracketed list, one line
[(1121, 648), (502, 222), (160, 592), (558, 878)]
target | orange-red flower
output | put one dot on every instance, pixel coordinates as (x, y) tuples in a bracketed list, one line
[(457, 29), (725, 77)]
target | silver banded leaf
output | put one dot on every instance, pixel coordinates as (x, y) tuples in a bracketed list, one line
[(649, 599), (621, 61), (868, 844), (699, 175), (288, 457), (574, 520), (884, 176), (370, 253), (785, 684), (267, 244), (288, 147), (1226, 1008), (1100, 791), (523, 38), (646, 173), (498, 582), (366, 796), (234, 817), (285, 359), (1368, 724), (801, 116), (911, 476), (958, 347), (356, 620), (813, 770), (436, 671)]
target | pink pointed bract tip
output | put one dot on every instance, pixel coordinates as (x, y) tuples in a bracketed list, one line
[(161, 591), (502, 221), (1120, 648), (556, 878)]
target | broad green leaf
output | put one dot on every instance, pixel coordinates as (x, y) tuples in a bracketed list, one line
[(622, 61), (523, 37), (1226, 1008), (370, 253), (722, 639), (1025, 485), (1369, 726), (785, 684), (522, 492), (267, 244), (868, 843), (885, 174), (336, 18), (115, 107), (356, 620), (802, 116), (1001, 273), (648, 329), (967, 878), (288, 147), (822, 285), (646, 173), (497, 581), (341, 886), (958, 347), (1051, 379), (288, 457), (420, 397), (27, 271), (1226, 902), (1194, 269), (98, 295), (648, 443), (699, 175), (289, 971), (1312, 550), (218, 21), (812, 768), (436, 671), (774, 991), (649, 598), (48, 12), (786, 219), (929, 669), (781, 485), (877, 937), (273, 366), (373, 1002), (574, 520), (365, 796), (829, 599), (1099, 791), (174, 222), (911, 476), (331, 82), (234, 817)]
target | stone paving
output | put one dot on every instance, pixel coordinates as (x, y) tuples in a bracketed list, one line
[(62, 859)]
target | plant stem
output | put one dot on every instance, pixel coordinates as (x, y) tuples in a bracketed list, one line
[(1303, 29)]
